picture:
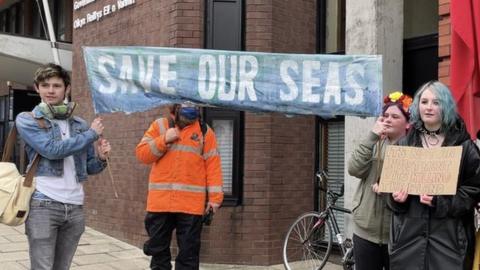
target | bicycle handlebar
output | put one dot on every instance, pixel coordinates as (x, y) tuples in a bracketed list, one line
[(323, 174)]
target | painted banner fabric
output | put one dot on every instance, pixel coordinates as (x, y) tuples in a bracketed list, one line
[(134, 79)]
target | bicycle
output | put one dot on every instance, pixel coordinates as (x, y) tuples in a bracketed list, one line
[(309, 239)]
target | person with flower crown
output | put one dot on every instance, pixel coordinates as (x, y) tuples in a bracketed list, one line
[(436, 232), (370, 216)]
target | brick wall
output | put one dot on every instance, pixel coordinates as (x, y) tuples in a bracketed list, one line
[(279, 151), (444, 41)]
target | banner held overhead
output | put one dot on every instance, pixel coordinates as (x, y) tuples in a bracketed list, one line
[(134, 79)]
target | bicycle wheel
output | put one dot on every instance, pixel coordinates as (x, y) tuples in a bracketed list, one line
[(308, 243)]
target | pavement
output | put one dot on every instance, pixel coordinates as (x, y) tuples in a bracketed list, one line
[(97, 251)]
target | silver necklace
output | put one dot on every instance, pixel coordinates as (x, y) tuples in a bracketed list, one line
[(60, 124), (431, 137)]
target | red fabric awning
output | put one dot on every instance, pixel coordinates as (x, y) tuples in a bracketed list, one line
[(465, 59)]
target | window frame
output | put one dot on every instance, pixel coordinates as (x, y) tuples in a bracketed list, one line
[(322, 27), (212, 114)]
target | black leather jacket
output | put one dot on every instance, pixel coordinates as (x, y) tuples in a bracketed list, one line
[(442, 236)]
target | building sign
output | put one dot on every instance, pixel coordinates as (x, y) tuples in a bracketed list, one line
[(97, 15), (421, 171), (132, 79)]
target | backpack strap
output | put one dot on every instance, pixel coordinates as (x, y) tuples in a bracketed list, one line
[(204, 128), (171, 122)]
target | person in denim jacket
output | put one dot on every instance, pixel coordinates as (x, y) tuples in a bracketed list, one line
[(66, 147)]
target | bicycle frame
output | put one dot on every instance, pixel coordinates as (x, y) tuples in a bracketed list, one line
[(328, 215), (312, 239)]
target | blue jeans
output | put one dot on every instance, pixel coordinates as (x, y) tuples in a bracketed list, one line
[(53, 230)]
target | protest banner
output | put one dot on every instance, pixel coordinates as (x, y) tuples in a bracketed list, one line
[(134, 79), (421, 170)]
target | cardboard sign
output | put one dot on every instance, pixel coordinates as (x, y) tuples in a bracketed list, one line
[(420, 170)]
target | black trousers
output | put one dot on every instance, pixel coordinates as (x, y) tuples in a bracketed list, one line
[(369, 255), (160, 226)]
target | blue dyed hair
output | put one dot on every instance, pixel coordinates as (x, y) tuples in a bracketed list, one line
[(447, 105)]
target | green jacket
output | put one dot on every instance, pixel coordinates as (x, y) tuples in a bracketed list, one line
[(370, 215)]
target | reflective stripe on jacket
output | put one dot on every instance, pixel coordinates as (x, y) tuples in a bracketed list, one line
[(182, 172)]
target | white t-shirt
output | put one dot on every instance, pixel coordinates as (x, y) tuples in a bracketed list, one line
[(66, 188)]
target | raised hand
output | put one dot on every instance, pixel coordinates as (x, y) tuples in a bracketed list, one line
[(379, 127), (97, 126), (171, 135)]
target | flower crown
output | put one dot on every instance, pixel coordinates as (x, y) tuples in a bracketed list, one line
[(398, 97)]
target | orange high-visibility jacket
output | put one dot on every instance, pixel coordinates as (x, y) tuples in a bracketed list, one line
[(182, 172)]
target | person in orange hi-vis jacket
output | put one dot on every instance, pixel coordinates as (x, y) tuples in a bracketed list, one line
[(185, 183)]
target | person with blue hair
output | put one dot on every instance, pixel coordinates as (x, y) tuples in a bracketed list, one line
[(436, 232)]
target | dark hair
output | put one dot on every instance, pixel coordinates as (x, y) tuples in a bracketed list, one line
[(51, 70), (399, 106), (478, 134)]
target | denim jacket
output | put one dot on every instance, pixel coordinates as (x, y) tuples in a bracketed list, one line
[(49, 144)]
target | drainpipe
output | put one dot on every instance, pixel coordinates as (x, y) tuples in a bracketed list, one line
[(51, 32)]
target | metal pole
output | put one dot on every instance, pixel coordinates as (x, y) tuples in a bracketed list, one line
[(51, 32)]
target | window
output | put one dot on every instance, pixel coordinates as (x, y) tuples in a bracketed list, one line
[(224, 31), (331, 26), (332, 159), (27, 18), (38, 21), (4, 21), (227, 127), (62, 19), (420, 44)]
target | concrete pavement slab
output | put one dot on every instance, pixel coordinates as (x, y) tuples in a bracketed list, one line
[(97, 251)]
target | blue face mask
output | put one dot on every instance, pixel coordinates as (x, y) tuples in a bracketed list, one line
[(189, 113)]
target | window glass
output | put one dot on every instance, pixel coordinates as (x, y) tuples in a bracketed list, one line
[(224, 133), (334, 26)]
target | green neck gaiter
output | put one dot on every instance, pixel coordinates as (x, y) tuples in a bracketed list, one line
[(60, 112)]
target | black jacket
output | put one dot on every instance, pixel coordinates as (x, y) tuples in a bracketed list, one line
[(442, 236)]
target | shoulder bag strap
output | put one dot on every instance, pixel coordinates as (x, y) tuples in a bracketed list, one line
[(9, 144), (33, 169)]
